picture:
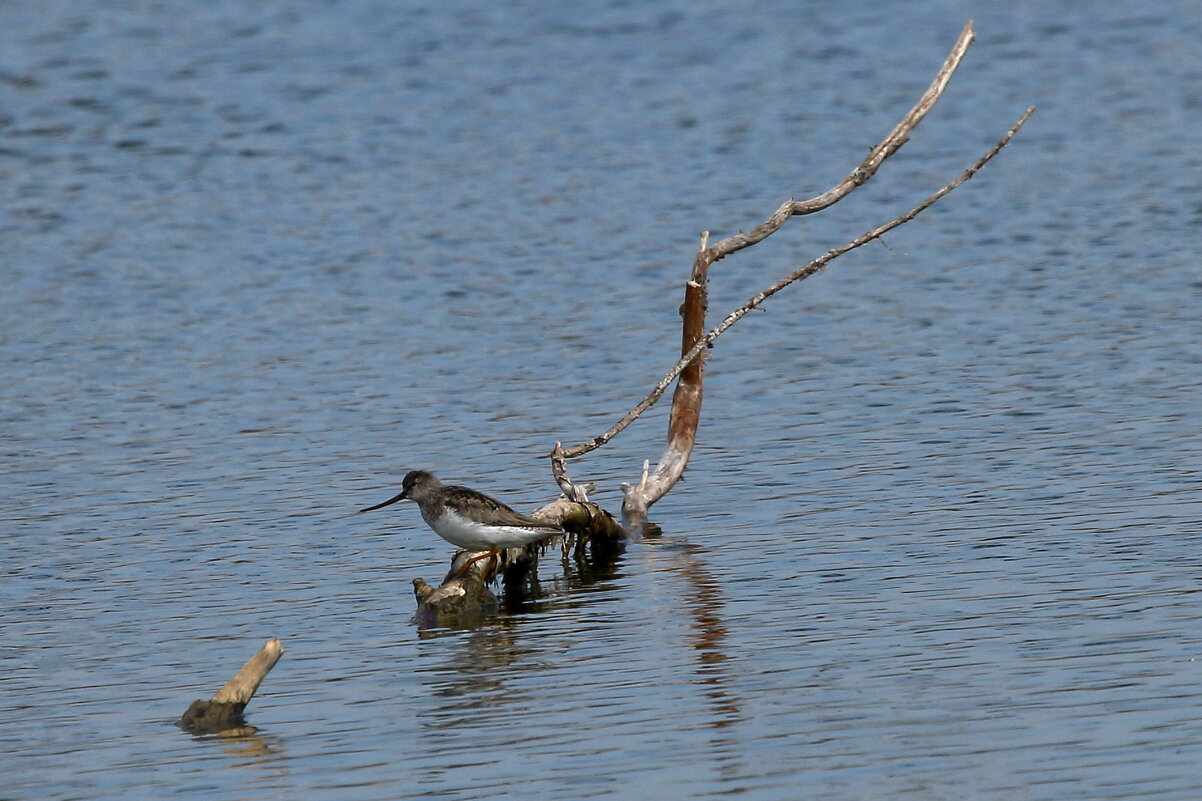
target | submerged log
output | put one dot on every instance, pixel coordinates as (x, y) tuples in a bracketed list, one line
[(458, 601), (222, 713)]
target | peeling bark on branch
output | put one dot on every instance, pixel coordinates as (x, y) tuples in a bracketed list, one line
[(686, 401)]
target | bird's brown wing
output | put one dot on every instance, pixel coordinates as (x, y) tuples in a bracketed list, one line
[(499, 512)]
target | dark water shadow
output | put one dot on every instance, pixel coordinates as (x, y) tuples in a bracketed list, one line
[(244, 747)]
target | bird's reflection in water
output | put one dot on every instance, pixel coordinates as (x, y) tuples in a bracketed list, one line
[(479, 662), (476, 683), (492, 651), (477, 680)]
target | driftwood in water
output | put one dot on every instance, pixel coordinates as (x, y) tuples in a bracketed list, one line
[(458, 601), (458, 594), (222, 714)]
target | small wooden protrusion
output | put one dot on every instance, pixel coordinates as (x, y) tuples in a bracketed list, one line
[(223, 712), (461, 601)]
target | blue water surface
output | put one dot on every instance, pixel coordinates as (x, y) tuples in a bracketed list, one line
[(940, 536)]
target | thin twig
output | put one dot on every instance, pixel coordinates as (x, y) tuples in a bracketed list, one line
[(559, 469), (866, 169), (797, 275)]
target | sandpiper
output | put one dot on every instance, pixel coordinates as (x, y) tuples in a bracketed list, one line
[(468, 518)]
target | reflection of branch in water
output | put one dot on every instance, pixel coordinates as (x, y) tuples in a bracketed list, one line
[(586, 567), (474, 681), (250, 749), (583, 570), (474, 678), (477, 665), (703, 602)]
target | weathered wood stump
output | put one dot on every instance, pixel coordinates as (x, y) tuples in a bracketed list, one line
[(464, 598), (460, 601), (222, 714), (586, 522)]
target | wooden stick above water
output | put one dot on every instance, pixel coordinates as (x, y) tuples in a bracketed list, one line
[(241, 688), (223, 712)]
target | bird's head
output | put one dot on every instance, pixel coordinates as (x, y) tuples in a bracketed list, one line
[(416, 486)]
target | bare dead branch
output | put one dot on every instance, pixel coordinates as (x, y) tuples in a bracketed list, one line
[(559, 469), (242, 687), (223, 712), (866, 169), (801, 273), (585, 522), (457, 601), (686, 402)]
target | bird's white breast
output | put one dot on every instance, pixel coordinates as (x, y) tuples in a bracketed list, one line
[(467, 533)]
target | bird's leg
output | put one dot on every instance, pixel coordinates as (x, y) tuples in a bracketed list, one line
[(495, 552)]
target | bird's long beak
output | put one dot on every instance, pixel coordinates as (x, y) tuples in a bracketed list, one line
[(388, 502)]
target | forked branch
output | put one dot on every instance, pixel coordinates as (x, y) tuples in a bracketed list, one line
[(687, 402), (866, 169), (810, 268)]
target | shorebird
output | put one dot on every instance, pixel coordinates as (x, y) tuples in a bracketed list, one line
[(467, 518)]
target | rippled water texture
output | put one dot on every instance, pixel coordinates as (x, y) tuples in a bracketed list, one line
[(939, 540)]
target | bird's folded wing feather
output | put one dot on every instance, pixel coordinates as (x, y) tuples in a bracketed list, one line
[(502, 514)]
